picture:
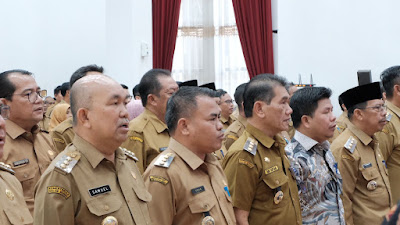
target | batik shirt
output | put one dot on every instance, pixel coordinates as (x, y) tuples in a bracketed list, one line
[(318, 179)]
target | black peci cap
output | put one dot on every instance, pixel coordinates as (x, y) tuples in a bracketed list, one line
[(361, 94)]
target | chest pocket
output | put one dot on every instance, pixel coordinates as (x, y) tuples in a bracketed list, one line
[(372, 181), (203, 202), (104, 204), (18, 216), (275, 180)]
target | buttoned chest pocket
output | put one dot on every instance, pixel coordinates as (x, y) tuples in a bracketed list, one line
[(103, 205), (25, 175), (372, 180), (201, 203), (276, 181)]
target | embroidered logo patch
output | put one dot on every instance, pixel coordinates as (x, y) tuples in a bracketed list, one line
[(99, 190), (58, 140), (58, 190), (271, 170), (136, 139), (247, 163), (159, 179), (198, 190), (21, 162)]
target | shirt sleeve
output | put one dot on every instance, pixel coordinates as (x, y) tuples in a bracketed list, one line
[(135, 143)]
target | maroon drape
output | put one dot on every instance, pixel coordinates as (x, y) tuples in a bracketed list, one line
[(165, 29), (254, 23)]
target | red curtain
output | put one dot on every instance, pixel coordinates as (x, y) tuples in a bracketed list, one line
[(165, 30), (254, 23)]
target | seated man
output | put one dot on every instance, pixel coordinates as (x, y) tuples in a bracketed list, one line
[(312, 163), (93, 181), (366, 191), (187, 182)]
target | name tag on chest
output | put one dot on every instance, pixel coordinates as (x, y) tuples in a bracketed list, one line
[(99, 190), (21, 162), (198, 190)]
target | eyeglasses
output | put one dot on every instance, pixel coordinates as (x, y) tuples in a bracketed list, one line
[(129, 98), (48, 103), (377, 108), (32, 96), (5, 111), (229, 101)]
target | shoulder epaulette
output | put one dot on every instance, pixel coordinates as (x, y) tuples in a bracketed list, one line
[(350, 144), (129, 154), (138, 124), (67, 162), (251, 146), (7, 168), (164, 160), (388, 116)]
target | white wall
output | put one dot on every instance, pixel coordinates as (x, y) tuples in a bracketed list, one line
[(333, 39), (54, 38)]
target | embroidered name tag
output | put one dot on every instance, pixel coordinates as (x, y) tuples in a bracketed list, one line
[(21, 162), (159, 179), (58, 190), (163, 149), (368, 165), (198, 190), (271, 170), (99, 190)]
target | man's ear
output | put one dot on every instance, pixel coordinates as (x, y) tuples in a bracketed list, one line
[(358, 114), (396, 90), (82, 116), (305, 121), (183, 126), (151, 99), (258, 109), (4, 101)]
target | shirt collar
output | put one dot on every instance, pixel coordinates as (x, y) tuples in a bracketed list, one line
[(15, 131), (260, 136), (157, 123), (393, 108), (308, 143), (242, 120), (93, 155), (364, 138), (188, 156)]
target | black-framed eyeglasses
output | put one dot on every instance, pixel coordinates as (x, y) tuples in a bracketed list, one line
[(229, 101), (5, 111), (32, 96), (377, 108)]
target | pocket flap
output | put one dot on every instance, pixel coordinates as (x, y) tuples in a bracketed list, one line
[(202, 203), (104, 204), (275, 179), (22, 216), (370, 173), (24, 173), (143, 194)]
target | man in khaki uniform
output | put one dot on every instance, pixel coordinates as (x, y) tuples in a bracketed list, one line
[(366, 191), (94, 181), (389, 137), (236, 129), (28, 149), (63, 134), (342, 121), (148, 133), (13, 208), (226, 105), (187, 182), (45, 122), (257, 168)]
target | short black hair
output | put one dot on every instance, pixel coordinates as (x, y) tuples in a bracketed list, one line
[(289, 85), (124, 86), (304, 102), (183, 103), (81, 72), (64, 88), (239, 95), (135, 91), (389, 78), (149, 84), (260, 88), (57, 90), (7, 88), (220, 92), (350, 111)]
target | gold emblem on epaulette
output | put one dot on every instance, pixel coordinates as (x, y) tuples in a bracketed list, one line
[(129, 154), (109, 220), (278, 197), (208, 220), (164, 160), (266, 159), (350, 144), (10, 195), (372, 185), (68, 161)]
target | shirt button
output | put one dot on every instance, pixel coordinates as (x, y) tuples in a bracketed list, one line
[(106, 207), (205, 206), (25, 175), (276, 144), (277, 181)]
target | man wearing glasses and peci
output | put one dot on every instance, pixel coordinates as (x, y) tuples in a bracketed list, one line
[(28, 149)]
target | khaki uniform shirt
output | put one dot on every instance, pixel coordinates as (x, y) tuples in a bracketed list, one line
[(189, 188), (233, 132), (389, 144), (45, 123), (13, 209), (341, 124), (92, 189), (226, 122), (29, 154), (147, 137), (291, 130), (366, 191), (62, 135), (257, 175)]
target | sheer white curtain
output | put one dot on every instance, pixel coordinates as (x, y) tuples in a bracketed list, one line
[(208, 47)]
